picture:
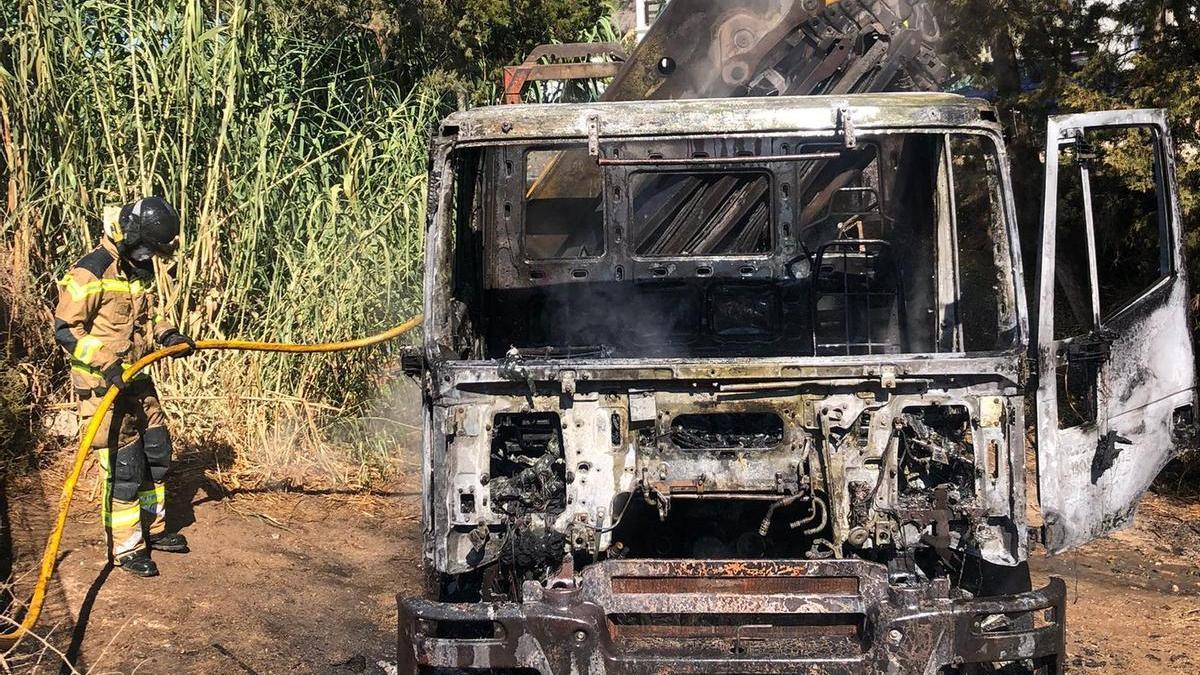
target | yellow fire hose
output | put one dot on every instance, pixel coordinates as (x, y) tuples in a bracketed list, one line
[(85, 442)]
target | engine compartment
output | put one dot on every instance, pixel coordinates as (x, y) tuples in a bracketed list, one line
[(542, 483)]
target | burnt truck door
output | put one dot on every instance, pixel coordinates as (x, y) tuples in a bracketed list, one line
[(1116, 379)]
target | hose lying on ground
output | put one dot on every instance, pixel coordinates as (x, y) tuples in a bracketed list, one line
[(85, 441)]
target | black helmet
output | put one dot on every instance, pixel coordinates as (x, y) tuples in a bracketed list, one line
[(149, 223)]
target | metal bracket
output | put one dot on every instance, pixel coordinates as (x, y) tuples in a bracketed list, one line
[(593, 132), (566, 379), (643, 409), (845, 124), (887, 377), (412, 361), (565, 62)]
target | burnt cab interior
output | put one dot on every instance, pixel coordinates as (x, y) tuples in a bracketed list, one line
[(725, 247)]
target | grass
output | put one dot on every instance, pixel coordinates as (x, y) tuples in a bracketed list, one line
[(299, 174)]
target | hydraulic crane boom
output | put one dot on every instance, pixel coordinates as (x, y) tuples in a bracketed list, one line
[(732, 48), (724, 48), (729, 48)]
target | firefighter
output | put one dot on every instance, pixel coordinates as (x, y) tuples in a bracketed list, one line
[(105, 320)]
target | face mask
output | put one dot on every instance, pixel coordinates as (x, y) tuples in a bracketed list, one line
[(141, 254), (169, 249)]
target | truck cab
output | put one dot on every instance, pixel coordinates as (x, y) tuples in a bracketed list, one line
[(753, 385)]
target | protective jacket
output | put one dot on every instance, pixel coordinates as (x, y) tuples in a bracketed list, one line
[(106, 315)]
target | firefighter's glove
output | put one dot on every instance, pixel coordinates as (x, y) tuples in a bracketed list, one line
[(113, 376), (174, 337)]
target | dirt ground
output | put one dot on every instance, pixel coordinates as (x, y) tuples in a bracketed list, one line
[(1134, 597), (301, 582), (276, 582)]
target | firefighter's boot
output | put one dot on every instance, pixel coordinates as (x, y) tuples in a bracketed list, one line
[(138, 563), (171, 542)]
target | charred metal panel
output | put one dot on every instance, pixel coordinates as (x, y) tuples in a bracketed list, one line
[(509, 466), (621, 447), (971, 374), (1092, 473), (744, 116)]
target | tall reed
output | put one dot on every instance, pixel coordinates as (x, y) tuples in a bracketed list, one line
[(298, 172)]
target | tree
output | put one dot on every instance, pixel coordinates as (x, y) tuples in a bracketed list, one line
[(1044, 57), (466, 41)]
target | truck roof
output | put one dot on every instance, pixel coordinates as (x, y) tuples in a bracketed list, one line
[(778, 114)]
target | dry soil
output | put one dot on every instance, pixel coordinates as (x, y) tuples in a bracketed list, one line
[(306, 582)]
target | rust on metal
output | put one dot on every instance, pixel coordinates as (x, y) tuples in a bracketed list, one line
[(736, 584), (579, 631), (572, 61)]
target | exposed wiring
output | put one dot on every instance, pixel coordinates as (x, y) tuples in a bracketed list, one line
[(616, 521), (819, 515), (765, 525)]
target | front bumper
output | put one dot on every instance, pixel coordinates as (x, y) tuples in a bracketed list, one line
[(689, 616)]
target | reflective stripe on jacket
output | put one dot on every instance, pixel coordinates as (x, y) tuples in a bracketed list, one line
[(104, 316)]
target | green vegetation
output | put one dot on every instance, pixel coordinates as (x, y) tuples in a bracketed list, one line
[(294, 149), (1044, 57), (292, 136), (465, 42)]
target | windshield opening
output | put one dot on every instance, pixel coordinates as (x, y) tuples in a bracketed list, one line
[(726, 247)]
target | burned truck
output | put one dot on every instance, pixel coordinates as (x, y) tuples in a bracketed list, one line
[(753, 385)]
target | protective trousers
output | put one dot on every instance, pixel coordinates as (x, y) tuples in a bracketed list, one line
[(134, 450)]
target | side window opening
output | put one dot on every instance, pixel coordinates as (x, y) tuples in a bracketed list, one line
[(1074, 313), (1129, 219), (1111, 248), (1072, 278), (468, 201), (984, 306)]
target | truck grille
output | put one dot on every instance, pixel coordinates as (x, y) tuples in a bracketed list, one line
[(735, 607)]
